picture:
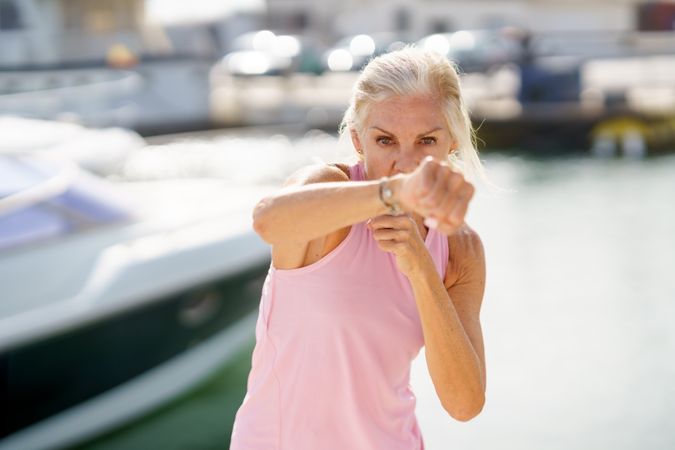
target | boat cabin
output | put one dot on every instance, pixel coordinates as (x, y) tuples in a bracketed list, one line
[(41, 201)]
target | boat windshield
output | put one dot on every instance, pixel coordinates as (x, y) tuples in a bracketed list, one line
[(40, 200)]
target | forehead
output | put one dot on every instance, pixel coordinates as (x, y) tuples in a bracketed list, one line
[(406, 114)]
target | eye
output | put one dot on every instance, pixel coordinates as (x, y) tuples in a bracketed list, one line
[(429, 140), (384, 140)]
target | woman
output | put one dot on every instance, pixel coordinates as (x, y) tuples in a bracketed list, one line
[(370, 263)]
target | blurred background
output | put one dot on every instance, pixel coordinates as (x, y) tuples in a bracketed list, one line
[(136, 136)]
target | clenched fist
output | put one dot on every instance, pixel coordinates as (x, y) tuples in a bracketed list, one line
[(437, 192), (400, 236)]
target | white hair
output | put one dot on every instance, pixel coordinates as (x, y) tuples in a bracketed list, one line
[(414, 72)]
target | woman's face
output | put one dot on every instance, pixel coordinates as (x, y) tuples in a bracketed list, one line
[(399, 133)]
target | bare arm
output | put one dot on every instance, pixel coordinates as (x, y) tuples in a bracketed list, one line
[(315, 202), (452, 332), (311, 213), (448, 309)]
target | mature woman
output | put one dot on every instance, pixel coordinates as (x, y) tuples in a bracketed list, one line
[(369, 263)]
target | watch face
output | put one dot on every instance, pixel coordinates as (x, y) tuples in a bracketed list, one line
[(388, 194)]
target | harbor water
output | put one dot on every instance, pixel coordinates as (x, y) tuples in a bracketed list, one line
[(580, 299)]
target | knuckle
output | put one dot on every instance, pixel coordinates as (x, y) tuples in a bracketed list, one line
[(433, 198), (429, 161), (455, 180), (456, 220), (445, 209), (426, 185), (465, 194), (445, 169), (447, 229)]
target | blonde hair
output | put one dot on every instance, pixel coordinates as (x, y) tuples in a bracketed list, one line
[(414, 72)]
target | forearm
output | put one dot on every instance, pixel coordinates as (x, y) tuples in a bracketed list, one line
[(453, 363), (307, 212)]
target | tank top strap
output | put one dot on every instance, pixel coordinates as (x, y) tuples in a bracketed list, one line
[(357, 172)]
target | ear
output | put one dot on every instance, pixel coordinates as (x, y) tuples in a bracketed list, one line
[(453, 146), (356, 140)]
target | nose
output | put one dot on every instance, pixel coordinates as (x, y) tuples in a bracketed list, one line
[(407, 160)]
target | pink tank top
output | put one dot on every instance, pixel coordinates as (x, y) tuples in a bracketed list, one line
[(334, 345)]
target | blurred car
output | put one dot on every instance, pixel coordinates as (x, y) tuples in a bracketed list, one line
[(475, 50), (351, 53), (266, 53)]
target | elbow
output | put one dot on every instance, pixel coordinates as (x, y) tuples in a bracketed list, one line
[(466, 411), (261, 223)]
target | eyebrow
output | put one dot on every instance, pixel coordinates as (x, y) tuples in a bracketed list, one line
[(419, 135)]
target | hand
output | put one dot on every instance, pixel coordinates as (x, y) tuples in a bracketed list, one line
[(399, 235), (437, 192)]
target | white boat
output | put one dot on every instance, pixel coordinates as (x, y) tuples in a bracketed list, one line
[(101, 64), (109, 312)]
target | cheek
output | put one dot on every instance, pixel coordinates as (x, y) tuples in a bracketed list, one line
[(440, 150), (440, 153), (376, 165)]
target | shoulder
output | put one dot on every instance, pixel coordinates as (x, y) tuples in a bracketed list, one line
[(466, 258), (319, 173), (467, 243)]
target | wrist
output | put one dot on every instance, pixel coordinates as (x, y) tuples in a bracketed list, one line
[(418, 273), (388, 188), (396, 185)]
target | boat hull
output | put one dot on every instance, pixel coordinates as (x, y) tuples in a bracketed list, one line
[(49, 377)]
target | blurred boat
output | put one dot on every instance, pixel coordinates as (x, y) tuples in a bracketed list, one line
[(155, 96), (108, 313), (101, 64), (101, 151)]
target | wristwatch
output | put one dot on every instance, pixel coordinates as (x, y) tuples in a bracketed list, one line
[(387, 196)]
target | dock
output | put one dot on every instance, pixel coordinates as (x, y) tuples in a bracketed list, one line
[(610, 115)]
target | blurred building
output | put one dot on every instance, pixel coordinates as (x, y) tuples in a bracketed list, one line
[(56, 32), (429, 16), (107, 62), (222, 21), (53, 32), (657, 16)]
